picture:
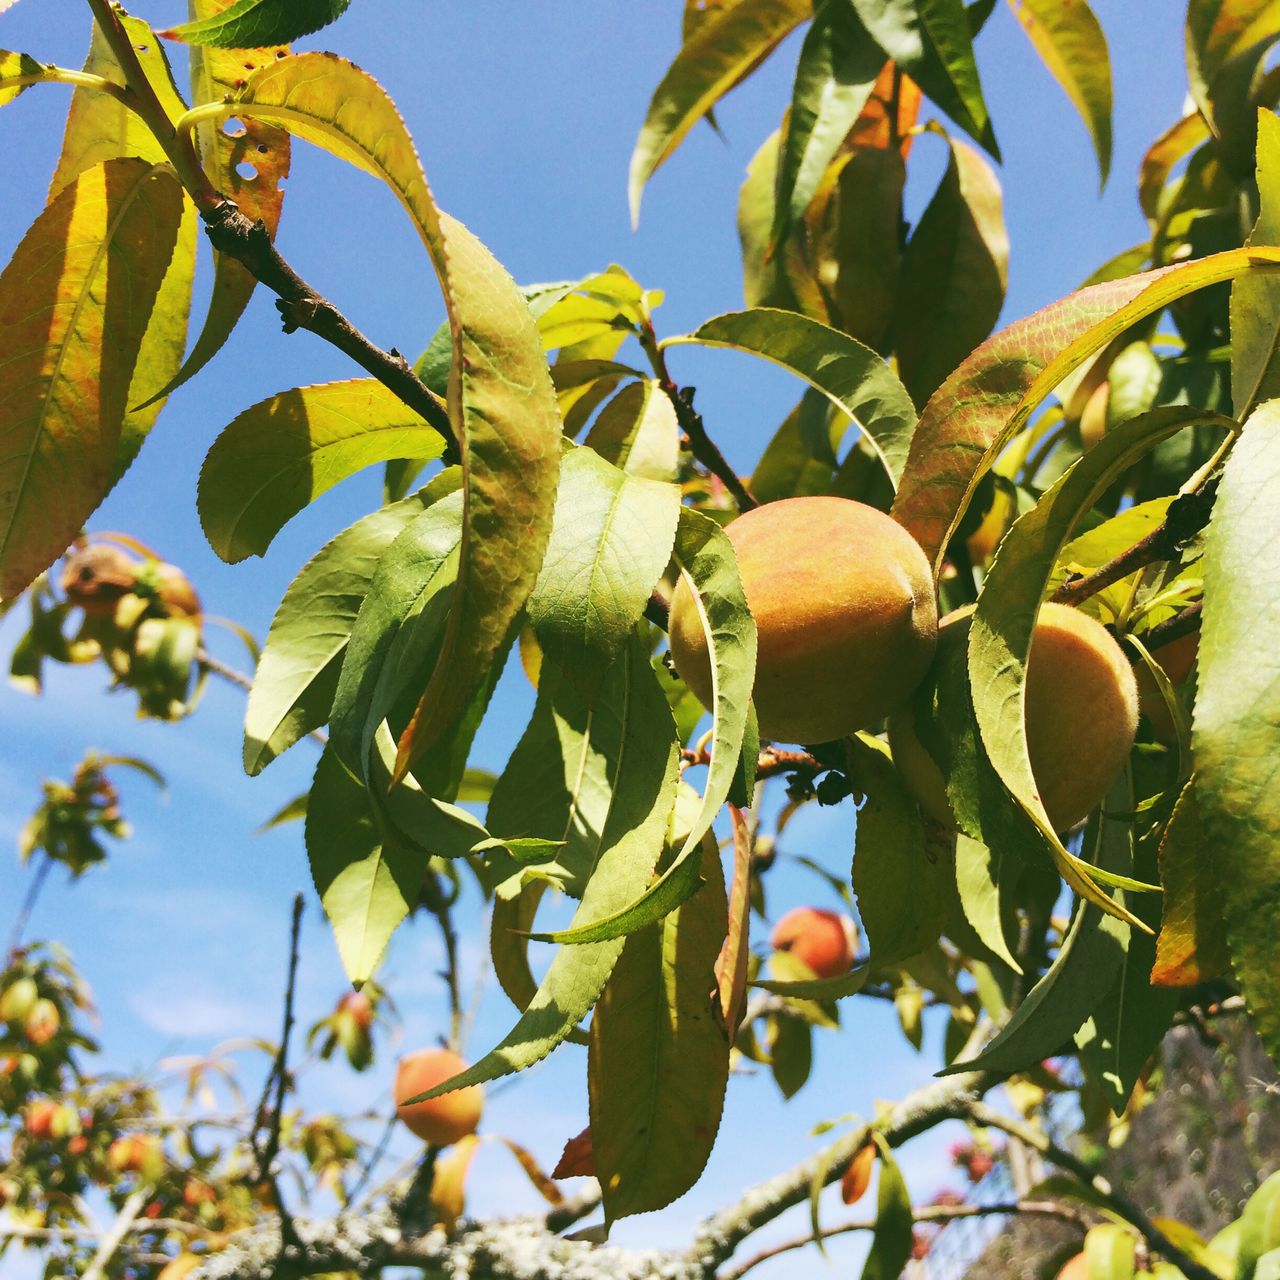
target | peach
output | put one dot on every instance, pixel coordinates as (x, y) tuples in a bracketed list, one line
[(824, 940), (845, 613), (1177, 658), (441, 1120)]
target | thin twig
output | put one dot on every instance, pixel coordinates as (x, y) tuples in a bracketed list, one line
[(1171, 629), (1128, 1209), (772, 761), (436, 902), (1186, 516), (115, 1235), (29, 905), (375, 1158), (703, 447), (922, 1213), (279, 1070)]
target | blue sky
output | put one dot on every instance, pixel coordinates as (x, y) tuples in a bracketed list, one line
[(525, 116)]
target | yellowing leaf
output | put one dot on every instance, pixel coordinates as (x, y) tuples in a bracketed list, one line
[(18, 72), (1069, 38), (449, 1179), (285, 451), (501, 401), (74, 305)]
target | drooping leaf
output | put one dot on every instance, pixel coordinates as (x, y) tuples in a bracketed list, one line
[(1082, 973), (1219, 32), (254, 24), (989, 398), (837, 70), (630, 844), (895, 1223), (1237, 710), (952, 279), (704, 556), (853, 377), (1069, 38), (100, 127), (285, 451), (731, 965), (501, 401), (448, 1180), (932, 42), (638, 431), (1004, 622), (1192, 946), (1259, 1227), (898, 885), (297, 675), (1255, 299), (790, 1043), (978, 876), (710, 63), (658, 1063), (78, 295), (611, 540), (247, 164), (18, 72)]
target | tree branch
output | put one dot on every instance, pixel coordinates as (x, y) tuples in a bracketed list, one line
[(279, 1074)]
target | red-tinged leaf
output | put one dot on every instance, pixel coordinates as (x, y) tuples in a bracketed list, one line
[(731, 965), (449, 1180), (1192, 946), (99, 128), (857, 1177), (74, 305), (1070, 40), (714, 59), (577, 1160), (952, 280), (658, 1061), (501, 400), (1176, 141), (247, 165), (988, 399)]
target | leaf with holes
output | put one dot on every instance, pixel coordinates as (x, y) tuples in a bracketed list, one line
[(853, 377), (611, 540), (1070, 40), (297, 674), (77, 298), (952, 278), (658, 1062), (1237, 710), (630, 844), (285, 451), (501, 400), (990, 397), (254, 24), (725, 47), (100, 127)]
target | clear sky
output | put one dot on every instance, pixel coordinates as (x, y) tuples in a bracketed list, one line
[(525, 115)]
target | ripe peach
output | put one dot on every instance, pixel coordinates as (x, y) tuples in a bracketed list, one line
[(1076, 1268), (39, 1118), (1177, 658), (823, 940), (843, 600), (442, 1120), (1081, 715)]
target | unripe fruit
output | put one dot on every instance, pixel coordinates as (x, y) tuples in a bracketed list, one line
[(1176, 658), (358, 1007), (842, 596), (1081, 716), (823, 940), (443, 1120), (42, 1022), (39, 1118), (18, 1000), (137, 1153)]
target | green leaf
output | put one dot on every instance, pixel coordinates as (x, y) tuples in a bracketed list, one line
[(1259, 1227), (990, 397), (1003, 624), (638, 431), (1070, 40), (836, 72), (724, 48), (931, 41), (285, 451), (398, 630), (1218, 33), (1082, 973), (898, 884), (18, 72), (1192, 946), (79, 292), (853, 377), (254, 24), (99, 128), (248, 166), (658, 1063), (630, 844), (611, 541), (978, 875), (297, 674), (1237, 711), (952, 279), (895, 1223), (501, 401), (704, 555), (790, 1042), (847, 984), (1255, 299)]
